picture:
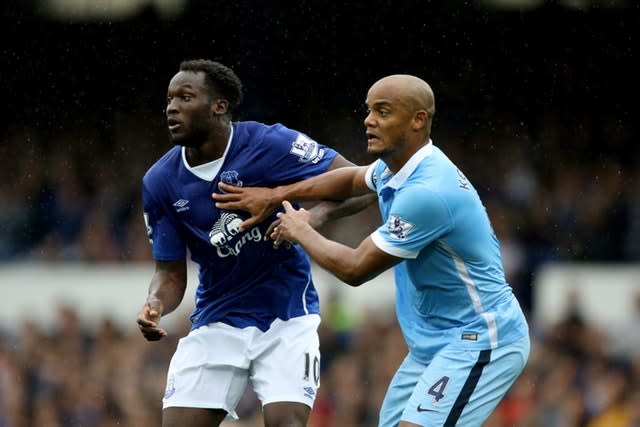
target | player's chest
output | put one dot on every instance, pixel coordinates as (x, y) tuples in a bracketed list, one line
[(192, 204), (191, 199)]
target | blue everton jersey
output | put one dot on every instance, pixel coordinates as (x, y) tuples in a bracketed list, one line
[(451, 289), (243, 280)]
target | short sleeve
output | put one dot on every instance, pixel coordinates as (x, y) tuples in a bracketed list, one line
[(166, 242), (371, 176), (293, 156), (417, 217)]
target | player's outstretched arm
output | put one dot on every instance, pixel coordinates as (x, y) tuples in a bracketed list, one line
[(258, 201), (338, 184), (352, 266), (328, 211), (166, 291)]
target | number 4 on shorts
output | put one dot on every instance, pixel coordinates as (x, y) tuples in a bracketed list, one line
[(437, 389)]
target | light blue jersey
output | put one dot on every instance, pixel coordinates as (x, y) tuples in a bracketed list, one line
[(450, 290), (467, 336)]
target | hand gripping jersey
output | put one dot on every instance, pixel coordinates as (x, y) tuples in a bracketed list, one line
[(451, 289), (243, 280)]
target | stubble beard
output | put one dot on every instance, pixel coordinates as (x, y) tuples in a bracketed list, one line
[(386, 152), (380, 153), (194, 138)]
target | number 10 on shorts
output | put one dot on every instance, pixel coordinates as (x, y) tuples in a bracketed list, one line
[(312, 367)]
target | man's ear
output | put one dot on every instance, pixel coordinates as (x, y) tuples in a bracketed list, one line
[(420, 120), (219, 106)]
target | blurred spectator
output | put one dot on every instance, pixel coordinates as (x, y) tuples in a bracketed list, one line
[(67, 375), (624, 338)]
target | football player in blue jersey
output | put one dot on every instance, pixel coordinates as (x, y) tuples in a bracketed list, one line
[(467, 336), (256, 308)]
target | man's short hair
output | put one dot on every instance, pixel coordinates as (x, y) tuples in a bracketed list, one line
[(220, 79)]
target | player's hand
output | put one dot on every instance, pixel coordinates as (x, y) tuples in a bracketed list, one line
[(258, 201), (276, 242), (148, 321), (292, 223)]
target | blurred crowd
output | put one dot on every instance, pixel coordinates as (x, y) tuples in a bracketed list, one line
[(70, 376), (556, 190)]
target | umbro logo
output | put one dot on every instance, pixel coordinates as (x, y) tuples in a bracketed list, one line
[(171, 388), (309, 392), (181, 205)]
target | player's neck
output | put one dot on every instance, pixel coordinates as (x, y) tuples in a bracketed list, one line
[(395, 160), (212, 149)]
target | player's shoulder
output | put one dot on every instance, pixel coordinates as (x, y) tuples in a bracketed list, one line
[(255, 127), (266, 137), (440, 160), (424, 190), (251, 132), (164, 166)]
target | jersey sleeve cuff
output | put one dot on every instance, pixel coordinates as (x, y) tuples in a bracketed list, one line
[(384, 246), (368, 178)]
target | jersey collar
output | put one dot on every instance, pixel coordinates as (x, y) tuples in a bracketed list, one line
[(208, 171), (405, 171)]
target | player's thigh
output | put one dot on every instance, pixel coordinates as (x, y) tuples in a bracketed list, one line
[(286, 414), (209, 370), (192, 417), (497, 378), (286, 362), (462, 387), (400, 389)]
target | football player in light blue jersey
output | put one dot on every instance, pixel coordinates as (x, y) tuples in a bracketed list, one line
[(256, 310), (467, 336)]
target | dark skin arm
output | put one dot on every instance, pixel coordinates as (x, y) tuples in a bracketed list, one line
[(325, 212), (337, 184), (166, 291), (329, 210), (352, 266)]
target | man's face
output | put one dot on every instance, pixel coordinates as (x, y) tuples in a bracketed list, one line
[(189, 115), (388, 120)]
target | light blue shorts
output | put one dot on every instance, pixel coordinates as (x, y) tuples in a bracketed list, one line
[(458, 388)]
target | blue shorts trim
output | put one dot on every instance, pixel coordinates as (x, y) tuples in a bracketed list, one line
[(468, 388)]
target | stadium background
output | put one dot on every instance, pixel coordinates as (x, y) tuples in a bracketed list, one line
[(535, 101)]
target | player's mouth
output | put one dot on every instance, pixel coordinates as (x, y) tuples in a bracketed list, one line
[(173, 124), (371, 137)]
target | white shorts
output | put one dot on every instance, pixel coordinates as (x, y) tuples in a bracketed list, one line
[(212, 365)]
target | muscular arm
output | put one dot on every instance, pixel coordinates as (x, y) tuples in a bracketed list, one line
[(341, 182), (166, 291), (352, 266), (329, 210), (335, 184)]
